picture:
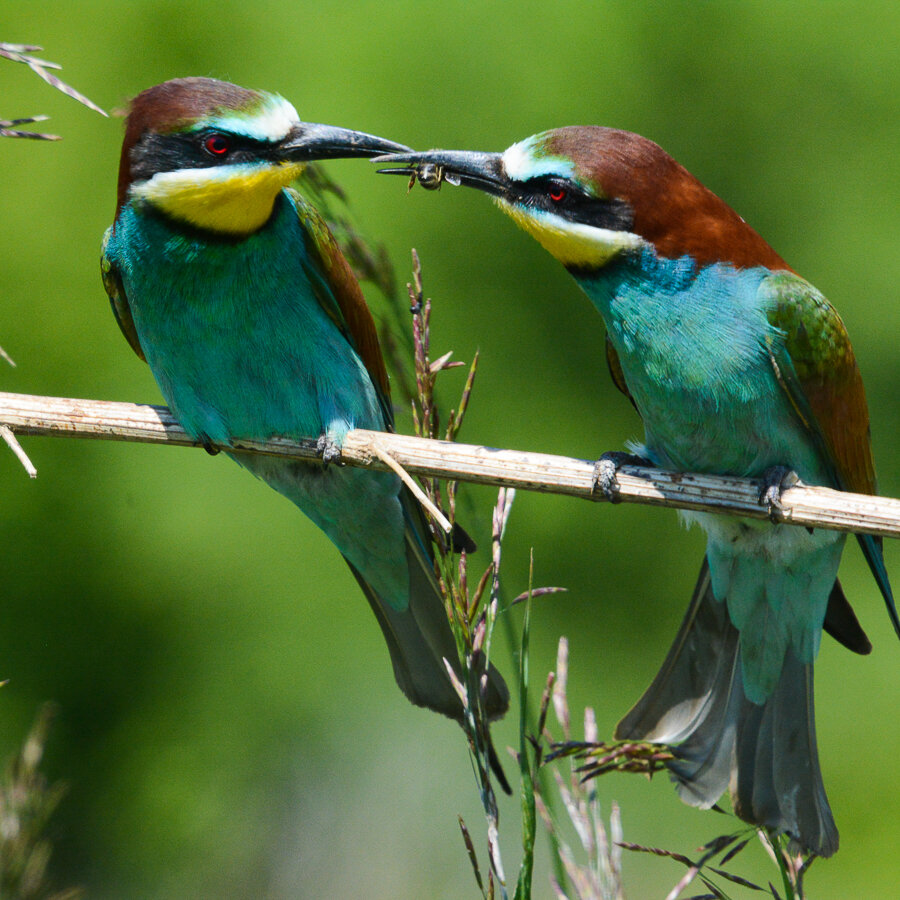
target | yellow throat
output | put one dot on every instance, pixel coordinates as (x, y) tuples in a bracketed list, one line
[(572, 243), (235, 200)]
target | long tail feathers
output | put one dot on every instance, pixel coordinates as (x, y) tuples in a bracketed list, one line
[(765, 753), (873, 550), (778, 780), (419, 637)]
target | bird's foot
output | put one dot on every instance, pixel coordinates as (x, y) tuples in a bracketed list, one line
[(605, 470), (328, 450), (774, 482)]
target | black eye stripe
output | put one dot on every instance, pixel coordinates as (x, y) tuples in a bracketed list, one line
[(565, 198), (236, 142), (156, 152), (554, 186)]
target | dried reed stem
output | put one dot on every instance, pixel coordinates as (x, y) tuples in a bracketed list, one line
[(802, 505)]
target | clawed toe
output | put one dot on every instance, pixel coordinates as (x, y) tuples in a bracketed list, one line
[(605, 479), (774, 482), (328, 450), (605, 469)]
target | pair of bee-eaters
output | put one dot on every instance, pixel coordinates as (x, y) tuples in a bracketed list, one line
[(233, 290)]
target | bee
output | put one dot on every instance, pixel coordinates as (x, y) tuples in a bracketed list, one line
[(430, 175)]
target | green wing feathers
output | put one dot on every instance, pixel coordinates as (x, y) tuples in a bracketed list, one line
[(615, 371), (343, 299), (815, 365), (115, 290)]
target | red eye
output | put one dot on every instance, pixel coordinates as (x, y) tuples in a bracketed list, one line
[(217, 144), (557, 194)]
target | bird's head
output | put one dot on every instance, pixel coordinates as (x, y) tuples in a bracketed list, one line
[(215, 155), (589, 194)]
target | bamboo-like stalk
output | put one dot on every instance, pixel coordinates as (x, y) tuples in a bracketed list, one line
[(818, 507)]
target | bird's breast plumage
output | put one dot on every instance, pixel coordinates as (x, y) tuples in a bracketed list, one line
[(233, 330), (692, 343)]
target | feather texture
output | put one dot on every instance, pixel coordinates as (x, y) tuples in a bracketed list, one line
[(765, 752), (736, 366), (269, 335)]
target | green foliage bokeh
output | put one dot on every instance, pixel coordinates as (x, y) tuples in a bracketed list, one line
[(229, 725)]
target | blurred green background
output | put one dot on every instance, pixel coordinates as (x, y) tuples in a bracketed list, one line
[(229, 725)]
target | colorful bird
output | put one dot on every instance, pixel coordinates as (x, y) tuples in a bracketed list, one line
[(737, 366), (233, 289)]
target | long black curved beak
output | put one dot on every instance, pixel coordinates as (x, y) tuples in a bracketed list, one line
[(483, 171), (308, 142)]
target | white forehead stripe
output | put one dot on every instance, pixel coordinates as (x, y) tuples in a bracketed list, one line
[(271, 121), (520, 162)]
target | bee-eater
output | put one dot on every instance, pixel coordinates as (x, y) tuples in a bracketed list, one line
[(234, 291), (737, 366)]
